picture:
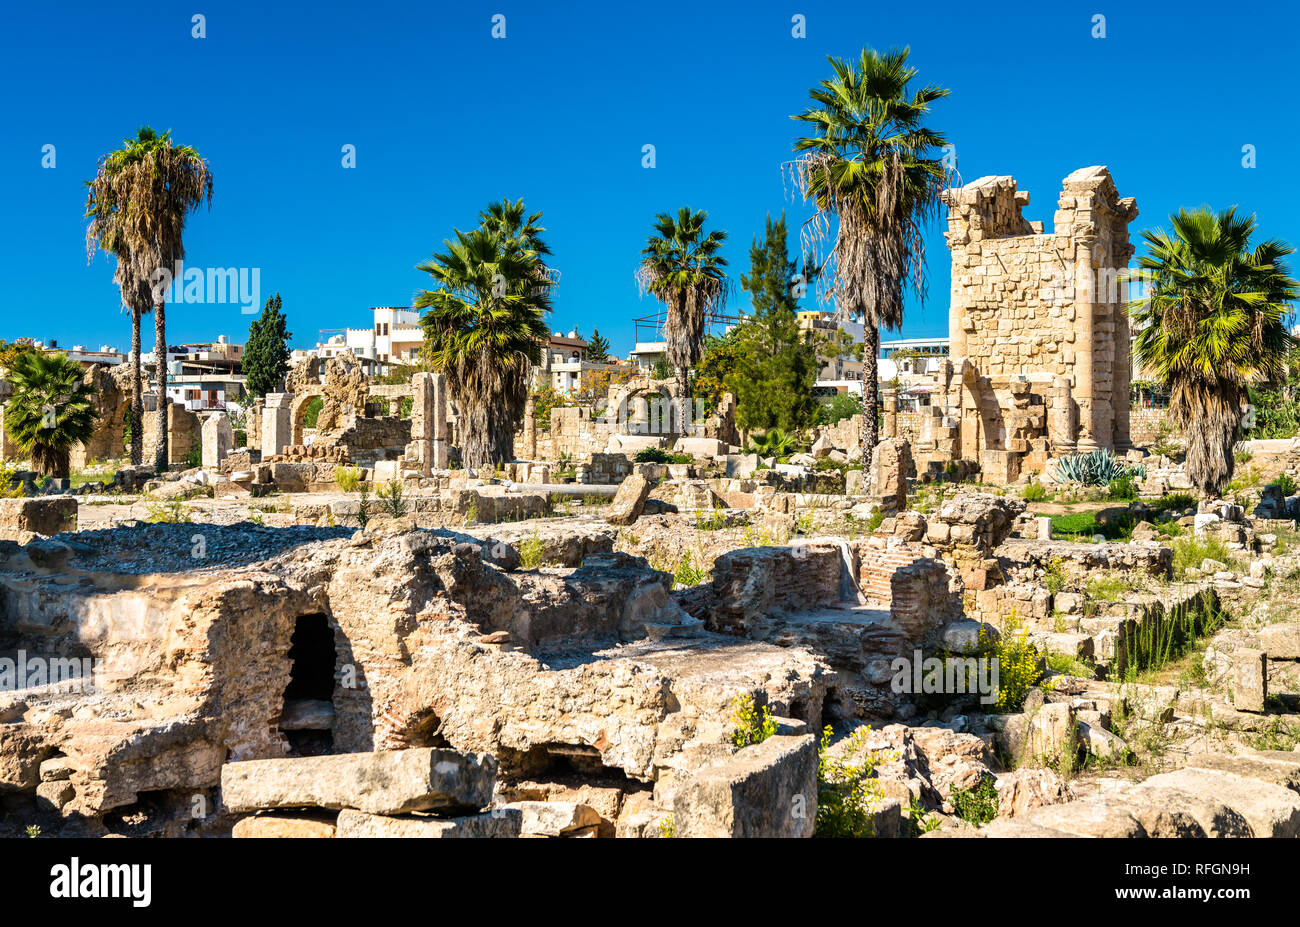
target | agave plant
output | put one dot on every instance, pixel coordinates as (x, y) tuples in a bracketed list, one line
[(1097, 468)]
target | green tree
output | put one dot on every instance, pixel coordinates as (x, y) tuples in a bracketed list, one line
[(266, 356), (775, 366), (598, 347), (681, 267), (867, 164), (484, 328), (546, 399), (714, 371), (52, 409), (1212, 324), (137, 206)]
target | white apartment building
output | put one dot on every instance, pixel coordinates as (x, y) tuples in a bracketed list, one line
[(564, 361), (394, 337)]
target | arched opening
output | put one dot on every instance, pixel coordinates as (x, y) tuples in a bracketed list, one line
[(303, 414), (307, 720)]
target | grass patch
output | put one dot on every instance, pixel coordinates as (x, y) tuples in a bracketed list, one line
[(1189, 552), (1084, 526)]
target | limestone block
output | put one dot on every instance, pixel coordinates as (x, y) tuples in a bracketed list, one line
[(390, 782), (500, 822), (765, 790), (630, 500), (218, 439), (1249, 679), (279, 826)]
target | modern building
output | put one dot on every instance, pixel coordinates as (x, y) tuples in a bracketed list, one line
[(915, 356), (564, 361), (393, 338), (106, 355)]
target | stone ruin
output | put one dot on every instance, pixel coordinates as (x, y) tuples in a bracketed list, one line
[(1038, 364)]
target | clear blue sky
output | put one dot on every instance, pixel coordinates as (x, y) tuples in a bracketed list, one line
[(445, 118)]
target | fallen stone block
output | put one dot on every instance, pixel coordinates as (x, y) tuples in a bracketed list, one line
[(765, 790), (1282, 771), (1214, 817), (1107, 816), (1007, 827), (389, 782), (629, 502), (556, 818), (46, 516), (500, 822), (1271, 810), (279, 826), (1280, 641)]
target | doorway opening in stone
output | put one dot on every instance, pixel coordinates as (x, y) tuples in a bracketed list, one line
[(307, 720)]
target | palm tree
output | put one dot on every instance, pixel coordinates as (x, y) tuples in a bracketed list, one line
[(1213, 322), (52, 409), (681, 266), (867, 163), (137, 207), (521, 233), (484, 329)]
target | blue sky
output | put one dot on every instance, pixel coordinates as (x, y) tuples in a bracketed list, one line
[(446, 118)]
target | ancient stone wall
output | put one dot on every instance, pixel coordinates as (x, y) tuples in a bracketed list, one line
[(184, 434), (1038, 305)]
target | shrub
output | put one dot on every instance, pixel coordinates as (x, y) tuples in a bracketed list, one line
[(1034, 492), (687, 574), (347, 478), (1286, 484), (978, 805), (846, 792), (1123, 488), (714, 521), (751, 724), (1055, 578), (391, 499), (652, 455), (1018, 668), (772, 443), (1108, 588), (532, 552)]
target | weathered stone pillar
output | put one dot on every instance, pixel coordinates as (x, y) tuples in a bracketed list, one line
[(1084, 333), (1119, 391), (422, 415), (277, 423), (890, 399), (1060, 419), (218, 439), (440, 438), (530, 428)]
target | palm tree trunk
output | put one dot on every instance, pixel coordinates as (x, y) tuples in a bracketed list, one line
[(682, 404), (136, 413), (160, 360), (870, 391)]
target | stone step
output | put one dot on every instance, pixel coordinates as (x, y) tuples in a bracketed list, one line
[(389, 782), (1283, 770), (500, 822)]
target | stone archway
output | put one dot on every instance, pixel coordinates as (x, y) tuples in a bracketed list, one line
[(298, 412), (646, 408)]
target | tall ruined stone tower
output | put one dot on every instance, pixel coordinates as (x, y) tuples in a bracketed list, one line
[(1047, 308)]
